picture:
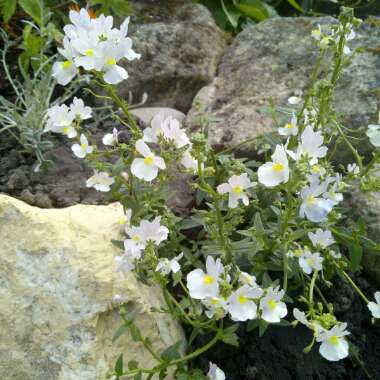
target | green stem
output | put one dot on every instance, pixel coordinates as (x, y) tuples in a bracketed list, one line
[(311, 292), (348, 278)]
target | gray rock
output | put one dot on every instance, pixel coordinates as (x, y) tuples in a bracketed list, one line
[(274, 59), (144, 115), (178, 57)]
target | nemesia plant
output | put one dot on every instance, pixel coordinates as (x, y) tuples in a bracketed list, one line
[(256, 230)]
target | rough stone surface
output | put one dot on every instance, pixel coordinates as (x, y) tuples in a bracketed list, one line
[(178, 57), (57, 282), (274, 59), (367, 206)]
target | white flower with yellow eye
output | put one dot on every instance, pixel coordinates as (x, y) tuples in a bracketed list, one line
[(313, 207), (146, 168), (81, 150), (215, 373), (273, 173), (321, 238), (174, 133), (65, 71), (374, 307), (86, 45), (202, 285), (310, 262), (79, 110), (216, 307), (100, 181), (165, 266), (271, 306), (189, 162), (235, 188), (108, 56), (247, 279), (311, 146), (125, 219), (58, 118), (289, 129), (317, 33), (334, 346), (241, 305)]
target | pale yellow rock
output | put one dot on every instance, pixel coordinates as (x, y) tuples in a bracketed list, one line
[(57, 282)]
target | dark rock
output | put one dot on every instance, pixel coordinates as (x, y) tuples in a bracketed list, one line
[(176, 58)]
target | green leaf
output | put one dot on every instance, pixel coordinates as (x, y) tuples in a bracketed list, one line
[(119, 332), (133, 364), (172, 352), (7, 9), (119, 365), (33, 9), (355, 252), (232, 16), (262, 327), (230, 337), (295, 5), (135, 332), (118, 243), (253, 9)]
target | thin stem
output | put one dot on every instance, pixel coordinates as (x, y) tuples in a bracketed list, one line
[(352, 283), (311, 292)]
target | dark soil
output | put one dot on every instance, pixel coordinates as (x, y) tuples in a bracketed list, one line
[(278, 354)]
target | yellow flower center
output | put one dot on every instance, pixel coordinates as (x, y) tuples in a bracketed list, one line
[(242, 299), (89, 52), (278, 167), (214, 301), (333, 339), (148, 160), (272, 304), (66, 130), (309, 262), (298, 252), (208, 280), (310, 200), (122, 220), (84, 146), (289, 126), (315, 168), (237, 189), (111, 61), (67, 64), (136, 238)]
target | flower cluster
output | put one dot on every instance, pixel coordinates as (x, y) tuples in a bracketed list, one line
[(94, 44), (248, 301)]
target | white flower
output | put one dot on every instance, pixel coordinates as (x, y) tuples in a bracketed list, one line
[(174, 133), (87, 47), (202, 285), (215, 373), (373, 133), (111, 139), (101, 181), (271, 306), (83, 149), (310, 262), (235, 188), (189, 162), (148, 231), (146, 168), (166, 266), (315, 209), (353, 168), (334, 346), (317, 33), (109, 55), (333, 195), (124, 263), (311, 146), (79, 110), (58, 118), (70, 132), (321, 238), (125, 219), (247, 279), (273, 173), (298, 252), (240, 304), (294, 100), (374, 307), (216, 307), (318, 169), (65, 71), (301, 317), (151, 134), (290, 129), (134, 246)]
